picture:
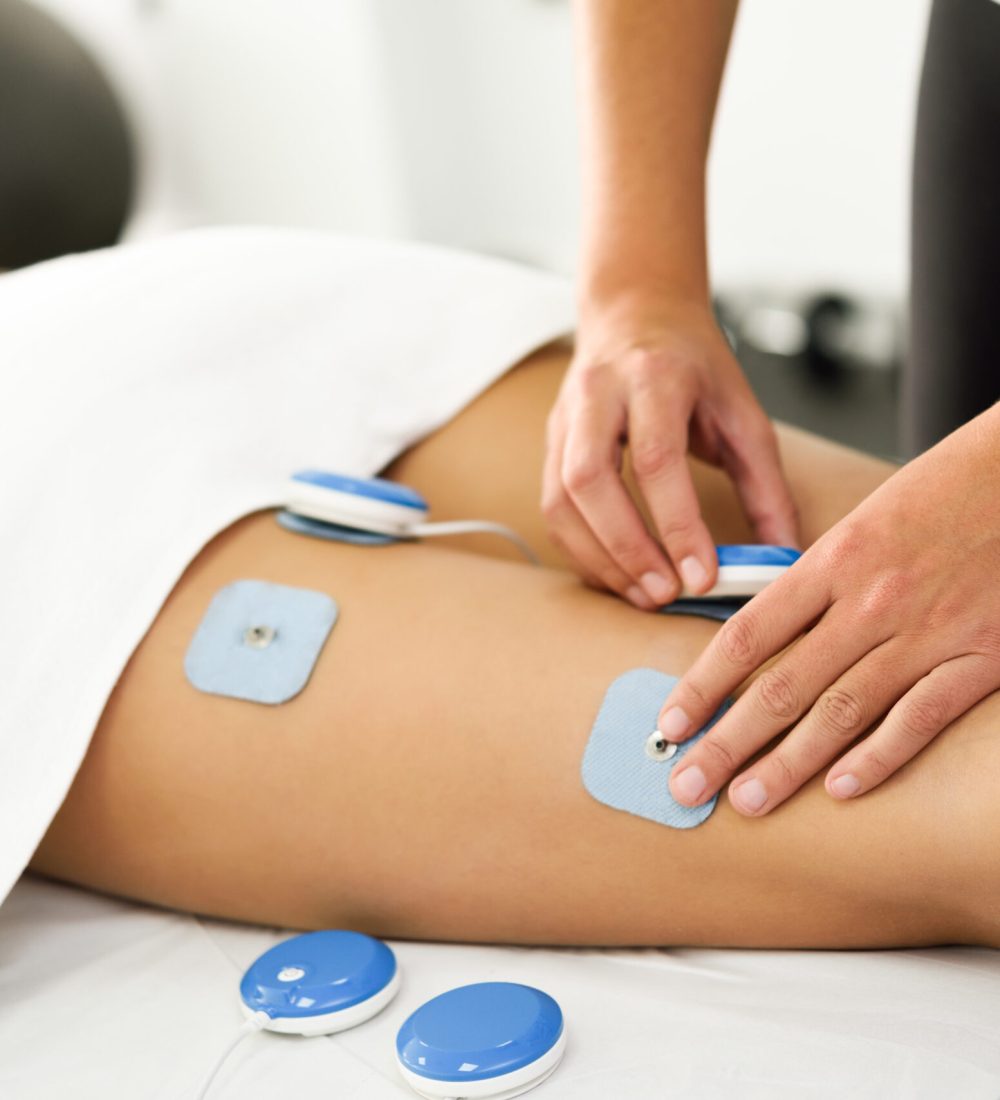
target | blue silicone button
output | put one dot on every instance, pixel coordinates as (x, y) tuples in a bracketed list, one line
[(478, 1032), (332, 532), (340, 969), (757, 555), (375, 488)]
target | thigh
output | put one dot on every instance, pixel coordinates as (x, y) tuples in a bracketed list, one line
[(487, 463), (426, 782)]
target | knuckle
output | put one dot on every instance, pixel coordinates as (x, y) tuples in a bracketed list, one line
[(839, 551), (786, 775), (581, 474), (625, 552), (737, 641), (923, 719), (652, 457), (649, 360), (721, 755), (875, 764), (885, 594), (677, 531), (840, 712), (694, 699), (591, 379), (776, 695)]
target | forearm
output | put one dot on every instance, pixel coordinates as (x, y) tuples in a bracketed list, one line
[(648, 75)]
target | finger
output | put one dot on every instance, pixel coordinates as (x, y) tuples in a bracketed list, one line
[(658, 443), (848, 707), (570, 533), (934, 702), (756, 632), (593, 481), (774, 702), (753, 462)]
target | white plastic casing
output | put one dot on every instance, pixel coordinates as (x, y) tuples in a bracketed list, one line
[(740, 580), (494, 1088), (352, 510), (330, 1022)]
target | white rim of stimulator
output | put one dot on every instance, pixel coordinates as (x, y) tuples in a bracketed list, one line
[(494, 1088), (350, 510), (329, 1022), (741, 580)]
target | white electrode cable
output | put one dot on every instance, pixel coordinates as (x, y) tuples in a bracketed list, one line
[(473, 526), (257, 1022)]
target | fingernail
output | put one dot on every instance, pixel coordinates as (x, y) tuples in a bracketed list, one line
[(659, 589), (688, 785), (636, 595), (845, 785), (694, 574), (749, 796), (673, 724)]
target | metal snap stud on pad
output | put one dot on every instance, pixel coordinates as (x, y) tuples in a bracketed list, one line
[(259, 641), (260, 637), (658, 748)]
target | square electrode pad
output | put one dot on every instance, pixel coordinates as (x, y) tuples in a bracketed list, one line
[(618, 766), (259, 641)]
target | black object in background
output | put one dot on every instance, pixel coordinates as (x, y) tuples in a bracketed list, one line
[(67, 168), (954, 352)]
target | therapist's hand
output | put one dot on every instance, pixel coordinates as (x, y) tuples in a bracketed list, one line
[(894, 616), (660, 376)]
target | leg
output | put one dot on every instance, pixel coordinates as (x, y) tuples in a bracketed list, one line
[(486, 463), (426, 782)]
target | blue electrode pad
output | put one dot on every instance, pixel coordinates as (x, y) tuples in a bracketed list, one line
[(491, 1039), (321, 982), (259, 641), (619, 767), (332, 532)]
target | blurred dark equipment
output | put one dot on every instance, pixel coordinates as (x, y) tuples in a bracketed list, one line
[(67, 164), (826, 361), (954, 343)]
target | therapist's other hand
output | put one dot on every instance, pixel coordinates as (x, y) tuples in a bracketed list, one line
[(894, 620), (660, 376)]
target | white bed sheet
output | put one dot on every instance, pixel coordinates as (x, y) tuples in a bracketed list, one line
[(100, 998)]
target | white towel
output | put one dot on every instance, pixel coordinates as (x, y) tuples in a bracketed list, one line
[(152, 394)]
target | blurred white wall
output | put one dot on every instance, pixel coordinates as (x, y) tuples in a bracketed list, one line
[(453, 121)]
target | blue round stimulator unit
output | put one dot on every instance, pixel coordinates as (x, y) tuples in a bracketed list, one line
[(492, 1039), (370, 503), (321, 982), (746, 570)]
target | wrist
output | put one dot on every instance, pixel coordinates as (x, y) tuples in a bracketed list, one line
[(643, 303), (629, 280)]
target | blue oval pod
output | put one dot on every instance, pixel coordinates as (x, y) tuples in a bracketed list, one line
[(321, 982), (493, 1037)]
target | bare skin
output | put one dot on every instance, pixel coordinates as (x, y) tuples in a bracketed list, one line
[(426, 783)]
